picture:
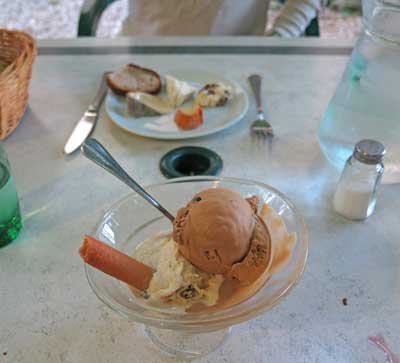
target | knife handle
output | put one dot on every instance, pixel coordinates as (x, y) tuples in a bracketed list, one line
[(101, 93)]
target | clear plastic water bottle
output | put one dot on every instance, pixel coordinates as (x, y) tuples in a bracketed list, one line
[(366, 104)]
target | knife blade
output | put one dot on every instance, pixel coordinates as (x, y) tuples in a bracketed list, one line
[(88, 121)]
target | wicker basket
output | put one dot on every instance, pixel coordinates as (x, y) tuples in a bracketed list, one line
[(17, 53)]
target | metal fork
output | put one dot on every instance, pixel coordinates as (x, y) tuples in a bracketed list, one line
[(260, 126)]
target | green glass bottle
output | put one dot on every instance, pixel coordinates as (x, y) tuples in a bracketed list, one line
[(10, 216)]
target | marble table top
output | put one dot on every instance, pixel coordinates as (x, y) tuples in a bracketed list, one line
[(48, 313)]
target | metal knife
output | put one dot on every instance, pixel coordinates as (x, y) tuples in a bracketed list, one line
[(87, 123)]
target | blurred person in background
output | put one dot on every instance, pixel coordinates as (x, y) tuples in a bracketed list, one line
[(217, 17)]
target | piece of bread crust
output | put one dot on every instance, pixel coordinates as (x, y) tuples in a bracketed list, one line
[(133, 78)]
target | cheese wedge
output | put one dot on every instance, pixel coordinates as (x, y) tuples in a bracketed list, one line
[(178, 91), (145, 105)]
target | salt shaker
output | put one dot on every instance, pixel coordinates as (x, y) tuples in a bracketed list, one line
[(355, 194)]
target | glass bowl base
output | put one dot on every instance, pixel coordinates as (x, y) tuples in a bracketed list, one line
[(186, 345)]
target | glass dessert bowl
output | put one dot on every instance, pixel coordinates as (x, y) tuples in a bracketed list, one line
[(132, 220)]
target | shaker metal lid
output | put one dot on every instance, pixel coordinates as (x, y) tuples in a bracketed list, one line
[(369, 151)]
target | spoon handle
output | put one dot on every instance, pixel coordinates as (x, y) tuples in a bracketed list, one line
[(96, 152)]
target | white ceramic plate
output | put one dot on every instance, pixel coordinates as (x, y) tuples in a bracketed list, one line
[(215, 119)]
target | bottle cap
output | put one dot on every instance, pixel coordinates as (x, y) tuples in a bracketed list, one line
[(369, 151)]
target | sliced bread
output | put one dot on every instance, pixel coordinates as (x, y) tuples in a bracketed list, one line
[(132, 78)]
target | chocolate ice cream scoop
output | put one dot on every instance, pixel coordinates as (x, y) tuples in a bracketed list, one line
[(214, 230), (258, 258), (220, 232)]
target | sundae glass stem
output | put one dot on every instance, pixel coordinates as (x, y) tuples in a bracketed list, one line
[(97, 153)]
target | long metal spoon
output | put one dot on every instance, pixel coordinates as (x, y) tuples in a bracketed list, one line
[(96, 152)]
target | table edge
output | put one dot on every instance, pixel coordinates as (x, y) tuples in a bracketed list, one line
[(195, 45)]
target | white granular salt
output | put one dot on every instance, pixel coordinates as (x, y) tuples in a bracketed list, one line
[(356, 204)]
